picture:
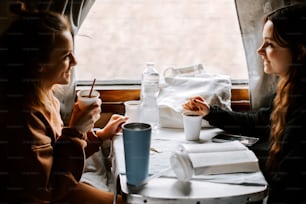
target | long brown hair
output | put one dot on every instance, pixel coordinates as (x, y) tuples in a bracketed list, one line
[(289, 31), (24, 48)]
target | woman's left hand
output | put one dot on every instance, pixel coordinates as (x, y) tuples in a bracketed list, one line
[(84, 120), (112, 127)]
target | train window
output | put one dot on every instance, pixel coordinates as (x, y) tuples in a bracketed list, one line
[(118, 37)]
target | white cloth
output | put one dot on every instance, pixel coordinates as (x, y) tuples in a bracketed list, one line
[(214, 88), (96, 174)]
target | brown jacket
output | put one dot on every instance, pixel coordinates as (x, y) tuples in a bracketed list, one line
[(44, 162)]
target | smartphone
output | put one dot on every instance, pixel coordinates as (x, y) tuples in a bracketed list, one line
[(225, 137)]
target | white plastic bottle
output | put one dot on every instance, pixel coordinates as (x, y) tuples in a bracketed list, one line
[(149, 93)]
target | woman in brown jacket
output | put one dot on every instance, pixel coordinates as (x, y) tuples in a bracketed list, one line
[(41, 160)]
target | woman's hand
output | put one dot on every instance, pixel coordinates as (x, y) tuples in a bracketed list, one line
[(197, 104), (84, 120), (112, 127)]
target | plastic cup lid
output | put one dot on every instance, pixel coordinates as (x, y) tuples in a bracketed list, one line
[(181, 165)]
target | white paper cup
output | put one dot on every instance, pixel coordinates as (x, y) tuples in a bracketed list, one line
[(132, 110), (84, 100), (192, 125)]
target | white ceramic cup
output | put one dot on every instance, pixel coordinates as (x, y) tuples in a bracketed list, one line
[(132, 110), (84, 100), (192, 125)]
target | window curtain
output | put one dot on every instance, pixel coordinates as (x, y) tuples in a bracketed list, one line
[(250, 19), (250, 15), (5, 19), (76, 10)]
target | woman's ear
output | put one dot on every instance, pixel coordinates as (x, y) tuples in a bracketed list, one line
[(40, 68), (37, 65), (302, 51)]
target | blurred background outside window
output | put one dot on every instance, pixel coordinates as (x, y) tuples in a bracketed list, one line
[(119, 37)]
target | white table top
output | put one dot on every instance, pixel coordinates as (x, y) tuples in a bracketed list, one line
[(167, 189)]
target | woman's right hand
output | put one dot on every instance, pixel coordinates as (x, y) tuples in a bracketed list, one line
[(197, 104), (84, 120)]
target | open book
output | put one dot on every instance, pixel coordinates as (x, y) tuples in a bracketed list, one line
[(220, 158)]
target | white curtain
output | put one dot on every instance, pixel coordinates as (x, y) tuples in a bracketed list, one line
[(251, 24), (250, 14), (5, 17)]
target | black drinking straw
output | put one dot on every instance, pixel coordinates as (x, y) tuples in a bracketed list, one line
[(93, 84)]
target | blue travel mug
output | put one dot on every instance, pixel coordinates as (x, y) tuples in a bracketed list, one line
[(136, 141)]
